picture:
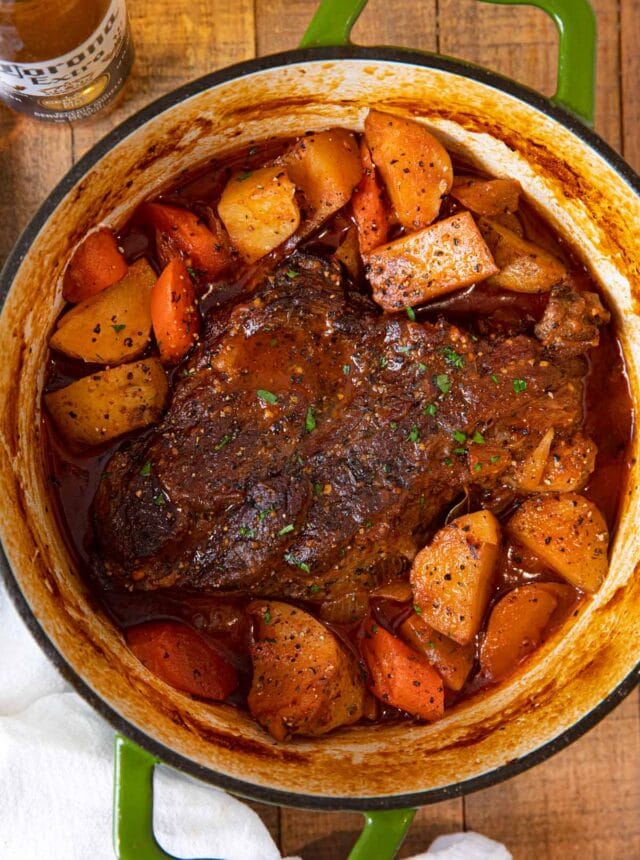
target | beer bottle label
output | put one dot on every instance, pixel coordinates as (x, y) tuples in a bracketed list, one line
[(79, 83)]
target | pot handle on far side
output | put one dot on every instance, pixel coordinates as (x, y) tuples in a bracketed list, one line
[(574, 19)]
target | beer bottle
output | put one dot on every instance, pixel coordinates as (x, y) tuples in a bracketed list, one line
[(63, 59)]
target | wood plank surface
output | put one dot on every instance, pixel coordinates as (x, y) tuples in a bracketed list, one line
[(585, 802)]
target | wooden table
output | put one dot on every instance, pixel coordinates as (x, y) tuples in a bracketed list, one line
[(585, 802)]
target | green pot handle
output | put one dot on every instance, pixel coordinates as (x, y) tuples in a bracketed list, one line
[(133, 837), (334, 19)]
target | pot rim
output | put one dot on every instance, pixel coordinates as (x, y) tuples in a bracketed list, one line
[(17, 255)]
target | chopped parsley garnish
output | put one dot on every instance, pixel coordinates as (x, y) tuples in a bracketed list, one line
[(393, 425), (314, 589), (285, 531), (266, 396), (265, 513), (405, 348), (384, 361), (118, 328), (317, 489), (478, 438), (266, 617), (245, 531), (346, 369), (244, 175), (159, 500), (443, 382), (146, 469), (477, 467), (310, 420), (224, 441), (459, 436), (411, 313), (495, 458), (431, 409), (414, 434), (460, 451), (291, 274), (192, 272), (291, 559), (448, 461), (452, 357), (417, 609), (189, 372), (519, 385), (494, 378), (422, 368), (368, 524)]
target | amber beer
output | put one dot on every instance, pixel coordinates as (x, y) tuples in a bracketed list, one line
[(63, 59)]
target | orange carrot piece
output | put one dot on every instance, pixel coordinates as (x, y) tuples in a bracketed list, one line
[(96, 264), (174, 312), (399, 676), (368, 206), (180, 232), (487, 197), (182, 658)]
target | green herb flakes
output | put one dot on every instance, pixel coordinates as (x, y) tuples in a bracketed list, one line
[(266, 617), (384, 361), (346, 369), (285, 531), (146, 469), (159, 500), (314, 589), (448, 461), (317, 489), (443, 383), (495, 458), (265, 513), (477, 467), (410, 313), (295, 562), (459, 436), (118, 327), (422, 368), (478, 438), (393, 425), (310, 420), (246, 174), (266, 396), (519, 385), (292, 274), (431, 409), (417, 609), (494, 378), (414, 434), (452, 357), (192, 273), (224, 441), (246, 532)]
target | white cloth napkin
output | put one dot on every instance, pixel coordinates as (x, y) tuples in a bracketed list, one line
[(56, 779)]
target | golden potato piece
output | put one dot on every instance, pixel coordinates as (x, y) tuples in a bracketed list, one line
[(452, 660), (420, 266), (524, 267), (516, 628), (415, 166), (259, 211), (452, 576), (558, 466), (105, 405), (304, 681), (487, 196), (113, 326), (568, 533), (326, 167)]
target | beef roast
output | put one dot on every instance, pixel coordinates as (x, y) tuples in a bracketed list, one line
[(312, 440)]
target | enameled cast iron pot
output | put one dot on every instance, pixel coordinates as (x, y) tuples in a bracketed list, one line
[(585, 191)]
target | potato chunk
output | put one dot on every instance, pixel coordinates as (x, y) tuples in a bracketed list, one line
[(326, 167), (487, 197), (558, 467), (420, 266), (452, 660), (568, 533), (304, 681), (105, 405), (452, 576), (516, 628), (259, 211), (113, 326), (524, 267), (415, 167)]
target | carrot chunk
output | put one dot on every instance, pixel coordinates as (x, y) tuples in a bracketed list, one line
[(182, 658), (96, 264), (399, 676), (369, 208), (174, 312), (180, 232), (487, 197)]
